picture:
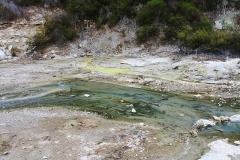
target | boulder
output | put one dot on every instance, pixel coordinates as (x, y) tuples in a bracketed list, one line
[(202, 123), (2, 55), (235, 118), (221, 119), (222, 150)]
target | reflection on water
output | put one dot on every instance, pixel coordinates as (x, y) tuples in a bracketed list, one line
[(119, 102)]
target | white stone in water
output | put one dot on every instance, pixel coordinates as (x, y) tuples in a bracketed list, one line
[(133, 110), (217, 118), (235, 118), (202, 123), (198, 96), (86, 95)]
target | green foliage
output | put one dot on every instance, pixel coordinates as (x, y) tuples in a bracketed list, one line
[(145, 17), (235, 42), (119, 10), (197, 39), (189, 6), (184, 20), (190, 11), (6, 14), (56, 31), (153, 3), (145, 32), (219, 39), (175, 25), (204, 25), (28, 2)]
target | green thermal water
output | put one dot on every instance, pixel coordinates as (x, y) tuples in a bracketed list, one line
[(118, 102)]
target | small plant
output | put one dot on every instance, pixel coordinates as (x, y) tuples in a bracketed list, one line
[(123, 33), (56, 31), (145, 32)]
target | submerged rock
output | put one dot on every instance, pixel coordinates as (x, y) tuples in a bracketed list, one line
[(86, 95), (235, 118)]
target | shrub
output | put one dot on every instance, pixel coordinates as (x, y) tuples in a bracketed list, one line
[(145, 17), (40, 40), (174, 25), (6, 14), (235, 42), (197, 39), (204, 25), (157, 5), (28, 2), (219, 39), (190, 11), (153, 3), (56, 31), (119, 10), (145, 32)]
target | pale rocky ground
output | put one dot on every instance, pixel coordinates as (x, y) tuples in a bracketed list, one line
[(57, 133)]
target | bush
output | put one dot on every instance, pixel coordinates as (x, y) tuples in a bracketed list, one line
[(145, 32), (175, 25), (197, 39), (119, 10), (40, 40), (6, 14), (153, 3), (145, 17), (204, 25), (190, 11), (235, 42), (56, 31), (28, 2)]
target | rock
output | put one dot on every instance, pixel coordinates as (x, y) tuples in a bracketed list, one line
[(202, 123), (237, 142), (222, 150), (217, 119), (10, 47), (86, 95), (35, 55), (221, 119), (2, 55), (45, 56), (193, 133), (198, 96), (133, 110), (181, 115), (224, 118), (80, 45), (5, 153), (235, 118)]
